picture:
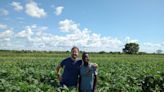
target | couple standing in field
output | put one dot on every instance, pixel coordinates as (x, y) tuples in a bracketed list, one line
[(78, 73)]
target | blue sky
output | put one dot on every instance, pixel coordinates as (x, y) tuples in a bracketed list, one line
[(92, 25)]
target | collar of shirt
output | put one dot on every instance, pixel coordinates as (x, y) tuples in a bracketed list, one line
[(74, 59)]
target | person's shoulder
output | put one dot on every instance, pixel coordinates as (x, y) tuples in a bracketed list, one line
[(66, 59), (79, 61)]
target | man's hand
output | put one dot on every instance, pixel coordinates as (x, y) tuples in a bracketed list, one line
[(59, 77), (95, 65)]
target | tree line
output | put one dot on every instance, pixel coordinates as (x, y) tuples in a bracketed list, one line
[(129, 48)]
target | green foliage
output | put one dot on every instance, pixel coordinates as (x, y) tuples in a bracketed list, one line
[(102, 52), (34, 72), (131, 48)]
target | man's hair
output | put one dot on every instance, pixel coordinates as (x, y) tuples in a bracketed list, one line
[(84, 53), (74, 47)]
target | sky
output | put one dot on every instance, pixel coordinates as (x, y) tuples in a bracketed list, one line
[(91, 25)]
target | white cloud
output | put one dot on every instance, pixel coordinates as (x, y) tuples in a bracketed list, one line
[(27, 33), (35, 27), (87, 39), (5, 39), (4, 12), (6, 34), (35, 37), (17, 6), (129, 40), (68, 26), (2, 26), (33, 10), (59, 10), (151, 47)]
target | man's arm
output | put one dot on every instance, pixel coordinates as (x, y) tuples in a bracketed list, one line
[(58, 72), (95, 77), (79, 82), (94, 83)]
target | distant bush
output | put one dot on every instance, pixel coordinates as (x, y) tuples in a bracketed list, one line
[(142, 53), (102, 52)]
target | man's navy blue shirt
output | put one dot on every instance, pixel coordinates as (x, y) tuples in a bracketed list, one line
[(71, 71)]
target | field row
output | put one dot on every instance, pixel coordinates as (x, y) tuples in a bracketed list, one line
[(116, 73)]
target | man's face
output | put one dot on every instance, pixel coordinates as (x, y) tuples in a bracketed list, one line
[(74, 53), (85, 58)]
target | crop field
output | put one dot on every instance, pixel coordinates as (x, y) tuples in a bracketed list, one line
[(34, 72)]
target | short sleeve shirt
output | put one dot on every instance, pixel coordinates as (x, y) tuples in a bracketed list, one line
[(71, 71), (87, 76)]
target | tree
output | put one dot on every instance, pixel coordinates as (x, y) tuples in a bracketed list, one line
[(159, 51), (131, 48)]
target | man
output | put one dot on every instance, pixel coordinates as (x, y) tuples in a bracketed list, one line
[(88, 75), (71, 66)]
